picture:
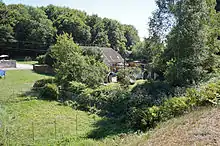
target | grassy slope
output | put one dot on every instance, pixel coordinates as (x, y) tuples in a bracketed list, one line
[(200, 127), (21, 115)]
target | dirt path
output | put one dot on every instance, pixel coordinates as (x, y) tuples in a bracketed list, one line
[(20, 67)]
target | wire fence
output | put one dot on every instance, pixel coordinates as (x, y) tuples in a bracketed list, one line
[(40, 132)]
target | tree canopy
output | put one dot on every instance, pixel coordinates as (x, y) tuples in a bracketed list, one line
[(26, 28)]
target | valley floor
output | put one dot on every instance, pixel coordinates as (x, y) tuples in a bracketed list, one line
[(26, 120)]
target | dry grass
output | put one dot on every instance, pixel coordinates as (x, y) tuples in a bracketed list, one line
[(199, 128)]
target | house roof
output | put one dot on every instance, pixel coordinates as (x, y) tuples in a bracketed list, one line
[(110, 56)]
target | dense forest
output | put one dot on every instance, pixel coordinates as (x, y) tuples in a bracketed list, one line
[(31, 30)]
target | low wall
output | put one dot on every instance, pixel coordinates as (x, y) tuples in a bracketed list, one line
[(7, 63), (43, 69)]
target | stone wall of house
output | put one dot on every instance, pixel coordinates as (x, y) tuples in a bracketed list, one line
[(7, 63), (43, 69)]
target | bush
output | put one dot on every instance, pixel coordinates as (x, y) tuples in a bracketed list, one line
[(76, 87), (99, 98), (50, 92), (41, 59), (148, 117), (124, 76), (43, 82)]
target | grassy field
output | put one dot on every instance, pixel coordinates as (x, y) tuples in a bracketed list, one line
[(25, 120)]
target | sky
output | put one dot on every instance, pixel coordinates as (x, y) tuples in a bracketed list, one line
[(134, 12)]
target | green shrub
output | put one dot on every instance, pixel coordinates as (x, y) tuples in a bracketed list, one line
[(41, 59), (50, 92), (174, 107), (43, 82), (124, 76), (147, 117), (76, 87), (98, 98)]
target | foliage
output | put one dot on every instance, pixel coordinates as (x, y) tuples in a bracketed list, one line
[(186, 27), (124, 76), (71, 65), (49, 92), (32, 30), (21, 117), (147, 117), (95, 52), (41, 59), (98, 98), (76, 87), (43, 82)]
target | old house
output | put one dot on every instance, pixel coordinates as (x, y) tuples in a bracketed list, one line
[(109, 56)]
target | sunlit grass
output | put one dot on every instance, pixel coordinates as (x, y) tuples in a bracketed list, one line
[(27, 62), (27, 121)]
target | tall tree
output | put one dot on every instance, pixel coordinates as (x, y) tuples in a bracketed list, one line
[(98, 32), (187, 47), (131, 35)]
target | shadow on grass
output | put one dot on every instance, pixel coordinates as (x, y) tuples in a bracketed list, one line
[(44, 74), (108, 127)]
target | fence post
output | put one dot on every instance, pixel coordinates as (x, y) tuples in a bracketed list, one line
[(33, 132), (55, 129), (76, 121), (7, 138)]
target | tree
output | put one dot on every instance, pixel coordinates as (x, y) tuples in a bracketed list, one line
[(187, 41), (115, 35), (131, 35), (98, 32), (71, 65)]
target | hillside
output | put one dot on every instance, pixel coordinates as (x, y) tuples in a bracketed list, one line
[(200, 127)]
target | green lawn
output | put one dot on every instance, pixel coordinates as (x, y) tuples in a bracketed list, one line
[(25, 120), (27, 62)]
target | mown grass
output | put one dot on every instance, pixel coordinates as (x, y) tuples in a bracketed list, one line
[(26, 120), (27, 62)]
